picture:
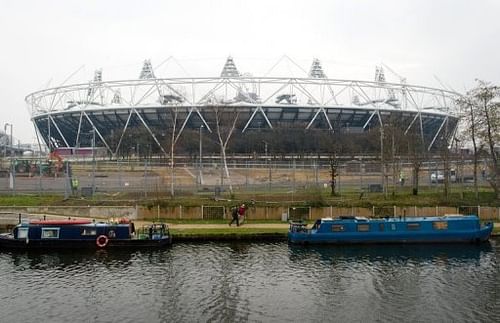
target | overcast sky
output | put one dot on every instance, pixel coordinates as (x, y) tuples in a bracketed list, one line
[(44, 42)]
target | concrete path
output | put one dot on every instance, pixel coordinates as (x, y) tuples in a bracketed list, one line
[(225, 226)]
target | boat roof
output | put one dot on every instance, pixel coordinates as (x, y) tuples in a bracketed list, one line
[(60, 222), (64, 222), (447, 217)]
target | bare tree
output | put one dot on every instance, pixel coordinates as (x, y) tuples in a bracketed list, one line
[(333, 160), (484, 103), (175, 131), (470, 129), (488, 97), (416, 155), (445, 153), (392, 149), (225, 124)]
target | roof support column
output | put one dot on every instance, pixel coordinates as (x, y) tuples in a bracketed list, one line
[(150, 132), (437, 133), (259, 108), (58, 130), (98, 132)]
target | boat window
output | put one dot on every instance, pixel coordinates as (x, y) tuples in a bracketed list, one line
[(22, 233), (89, 232), (381, 227), (393, 226), (50, 233), (363, 227), (413, 226), (440, 225), (338, 228)]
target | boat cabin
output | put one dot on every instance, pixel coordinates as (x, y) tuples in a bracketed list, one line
[(414, 224), (353, 229), (71, 230)]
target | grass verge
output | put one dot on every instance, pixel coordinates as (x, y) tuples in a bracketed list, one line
[(229, 232)]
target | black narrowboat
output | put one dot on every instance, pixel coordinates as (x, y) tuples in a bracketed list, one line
[(76, 233)]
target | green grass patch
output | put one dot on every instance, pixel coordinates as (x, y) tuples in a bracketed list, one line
[(229, 231), (199, 221), (314, 197), (29, 200)]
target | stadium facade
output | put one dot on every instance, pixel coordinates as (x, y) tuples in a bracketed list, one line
[(109, 114)]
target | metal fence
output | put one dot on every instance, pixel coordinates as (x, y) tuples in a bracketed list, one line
[(149, 177), (213, 212)]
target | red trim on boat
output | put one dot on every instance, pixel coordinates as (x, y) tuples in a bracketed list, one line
[(61, 222)]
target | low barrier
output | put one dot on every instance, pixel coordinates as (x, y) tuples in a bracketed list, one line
[(284, 213), (276, 213)]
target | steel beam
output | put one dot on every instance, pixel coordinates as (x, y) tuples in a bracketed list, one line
[(59, 131), (98, 132), (437, 133), (259, 108)]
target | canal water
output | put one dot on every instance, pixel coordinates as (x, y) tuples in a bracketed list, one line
[(255, 282)]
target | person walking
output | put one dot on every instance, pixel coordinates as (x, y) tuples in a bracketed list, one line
[(238, 214), (241, 213), (235, 216)]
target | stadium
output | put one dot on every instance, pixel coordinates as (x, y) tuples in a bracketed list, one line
[(243, 113)]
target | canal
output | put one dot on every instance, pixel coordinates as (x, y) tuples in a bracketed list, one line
[(255, 282)]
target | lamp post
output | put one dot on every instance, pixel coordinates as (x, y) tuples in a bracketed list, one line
[(200, 165), (382, 161), (361, 174), (93, 162), (267, 162)]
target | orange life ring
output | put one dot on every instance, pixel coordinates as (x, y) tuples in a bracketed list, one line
[(102, 241)]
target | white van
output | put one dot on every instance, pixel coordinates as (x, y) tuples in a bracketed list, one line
[(437, 177)]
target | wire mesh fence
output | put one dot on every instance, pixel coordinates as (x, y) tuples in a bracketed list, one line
[(149, 177), (213, 212), (299, 213)]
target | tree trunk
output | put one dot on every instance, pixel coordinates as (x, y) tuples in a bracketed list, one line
[(226, 169), (491, 144), (333, 174), (474, 145), (223, 142), (416, 171), (446, 165), (172, 171)]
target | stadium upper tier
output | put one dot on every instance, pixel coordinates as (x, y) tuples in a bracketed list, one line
[(62, 115)]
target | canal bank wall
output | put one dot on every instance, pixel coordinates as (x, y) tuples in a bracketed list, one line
[(272, 213)]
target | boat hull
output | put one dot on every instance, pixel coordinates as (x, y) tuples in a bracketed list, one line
[(10, 243), (85, 234), (397, 237), (302, 239)]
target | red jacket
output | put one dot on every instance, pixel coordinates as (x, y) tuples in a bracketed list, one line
[(241, 210)]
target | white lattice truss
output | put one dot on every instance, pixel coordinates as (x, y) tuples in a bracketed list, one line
[(259, 94)]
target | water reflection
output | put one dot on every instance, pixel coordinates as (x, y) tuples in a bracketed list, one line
[(392, 282), (420, 252), (233, 282), (62, 259)]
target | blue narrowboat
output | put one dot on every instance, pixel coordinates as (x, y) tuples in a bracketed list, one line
[(354, 230), (57, 234)]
